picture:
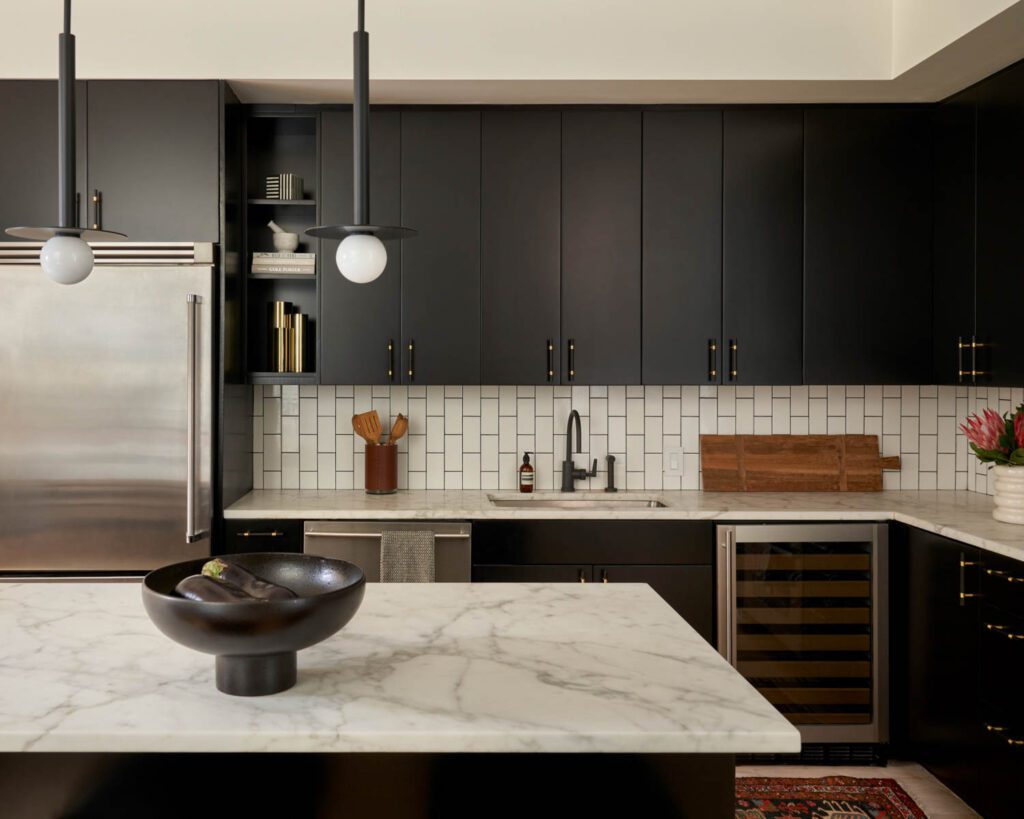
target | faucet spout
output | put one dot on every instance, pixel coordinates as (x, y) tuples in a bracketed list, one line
[(570, 474), (573, 416)]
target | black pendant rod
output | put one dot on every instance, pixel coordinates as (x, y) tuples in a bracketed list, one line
[(361, 121), (66, 123)]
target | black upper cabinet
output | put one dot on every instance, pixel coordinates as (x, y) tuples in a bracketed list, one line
[(521, 242), (154, 155), (867, 246), (682, 246), (1000, 286), (762, 265), (441, 266), (28, 153), (601, 238), (359, 322), (953, 236)]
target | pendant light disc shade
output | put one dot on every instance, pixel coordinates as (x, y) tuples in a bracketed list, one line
[(344, 231), (41, 234)]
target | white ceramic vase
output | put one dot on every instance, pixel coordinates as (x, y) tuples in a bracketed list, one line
[(1009, 493)]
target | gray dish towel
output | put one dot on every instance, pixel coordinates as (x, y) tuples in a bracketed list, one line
[(407, 556)]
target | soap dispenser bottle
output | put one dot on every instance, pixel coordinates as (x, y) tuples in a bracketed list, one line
[(526, 474)]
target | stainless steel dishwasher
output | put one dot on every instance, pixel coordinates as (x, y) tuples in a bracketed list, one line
[(359, 542)]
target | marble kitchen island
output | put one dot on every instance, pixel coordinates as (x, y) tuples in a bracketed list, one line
[(453, 683)]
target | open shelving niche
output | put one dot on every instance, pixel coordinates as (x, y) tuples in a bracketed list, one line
[(280, 142)]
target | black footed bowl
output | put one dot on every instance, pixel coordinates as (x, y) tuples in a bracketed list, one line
[(255, 643)]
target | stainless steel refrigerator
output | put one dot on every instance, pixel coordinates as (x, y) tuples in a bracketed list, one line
[(106, 390)]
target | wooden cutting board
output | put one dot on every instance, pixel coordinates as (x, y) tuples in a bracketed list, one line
[(792, 463)]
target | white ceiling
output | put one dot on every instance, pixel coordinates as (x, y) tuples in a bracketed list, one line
[(534, 50)]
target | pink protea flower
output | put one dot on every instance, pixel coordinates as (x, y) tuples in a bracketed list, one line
[(1018, 428), (985, 430)]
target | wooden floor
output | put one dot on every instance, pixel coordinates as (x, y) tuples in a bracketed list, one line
[(934, 798)]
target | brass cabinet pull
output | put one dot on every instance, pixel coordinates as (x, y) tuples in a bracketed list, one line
[(1009, 578), (412, 366), (582, 577), (964, 594), (572, 359), (1002, 729), (274, 533), (1004, 631), (97, 210), (712, 360), (391, 359), (551, 360)]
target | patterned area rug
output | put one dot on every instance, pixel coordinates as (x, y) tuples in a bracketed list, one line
[(831, 797)]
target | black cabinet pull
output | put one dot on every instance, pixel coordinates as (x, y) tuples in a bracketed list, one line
[(78, 209), (572, 359), (712, 360), (960, 371), (273, 533), (551, 360), (97, 210), (1009, 578), (1001, 730), (391, 359), (581, 576), (604, 575), (733, 359), (412, 365)]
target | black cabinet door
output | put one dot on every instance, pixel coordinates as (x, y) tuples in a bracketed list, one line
[(941, 700), (953, 236), (687, 589), (867, 246), (28, 153), (154, 155), (520, 250), (441, 266), (1001, 222), (360, 328), (601, 238), (762, 232), (549, 573), (682, 246)]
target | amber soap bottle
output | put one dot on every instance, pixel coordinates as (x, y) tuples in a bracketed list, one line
[(526, 474)]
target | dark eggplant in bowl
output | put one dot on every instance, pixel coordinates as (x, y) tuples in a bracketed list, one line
[(255, 640)]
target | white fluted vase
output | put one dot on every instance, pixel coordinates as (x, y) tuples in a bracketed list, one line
[(1009, 493)]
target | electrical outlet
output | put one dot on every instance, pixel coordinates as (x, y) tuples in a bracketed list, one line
[(673, 461)]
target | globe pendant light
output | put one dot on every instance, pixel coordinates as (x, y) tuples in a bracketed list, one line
[(361, 256), (65, 257)]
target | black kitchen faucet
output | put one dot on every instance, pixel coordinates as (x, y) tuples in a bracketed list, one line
[(570, 474)]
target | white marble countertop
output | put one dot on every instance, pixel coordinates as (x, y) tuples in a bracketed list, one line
[(421, 668), (963, 516)]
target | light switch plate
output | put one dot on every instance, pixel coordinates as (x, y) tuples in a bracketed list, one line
[(673, 461)]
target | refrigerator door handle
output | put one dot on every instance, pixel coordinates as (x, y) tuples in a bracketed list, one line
[(192, 534), (726, 593)]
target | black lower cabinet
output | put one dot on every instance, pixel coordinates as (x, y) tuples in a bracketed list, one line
[(958, 658), (938, 648), (673, 557), (261, 536)]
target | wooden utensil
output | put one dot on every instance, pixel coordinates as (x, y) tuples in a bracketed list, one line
[(792, 463), (399, 428), (367, 426)]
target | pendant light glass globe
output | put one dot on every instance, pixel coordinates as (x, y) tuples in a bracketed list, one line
[(361, 258), (66, 259)]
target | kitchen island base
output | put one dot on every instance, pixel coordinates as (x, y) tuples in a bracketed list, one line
[(384, 786)]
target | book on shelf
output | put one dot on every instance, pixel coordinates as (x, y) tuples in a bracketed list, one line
[(282, 255)]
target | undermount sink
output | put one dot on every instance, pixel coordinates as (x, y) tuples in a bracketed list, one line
[(563, 502)]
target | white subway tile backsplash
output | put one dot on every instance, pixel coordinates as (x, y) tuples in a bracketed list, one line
[(473, 437)]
